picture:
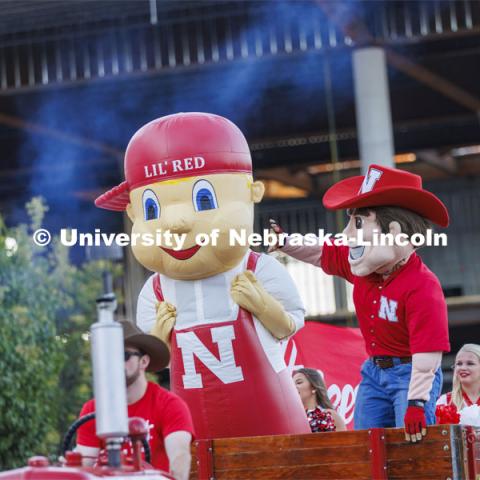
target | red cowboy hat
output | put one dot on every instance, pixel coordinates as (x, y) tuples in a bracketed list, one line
[(176, 146), (384, 186)]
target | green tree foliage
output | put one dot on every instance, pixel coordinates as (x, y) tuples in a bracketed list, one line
[(46, 308)]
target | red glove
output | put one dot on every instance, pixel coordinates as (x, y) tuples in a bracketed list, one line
[(415, 422)]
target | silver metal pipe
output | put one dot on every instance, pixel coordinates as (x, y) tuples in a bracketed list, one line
[(108, 372)]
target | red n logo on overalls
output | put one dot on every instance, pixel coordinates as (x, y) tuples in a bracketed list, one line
[(224, 368)]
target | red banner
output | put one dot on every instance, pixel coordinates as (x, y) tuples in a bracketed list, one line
[(338, 353)]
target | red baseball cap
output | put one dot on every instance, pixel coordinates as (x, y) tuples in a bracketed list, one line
[(384, 186), (176, 146)]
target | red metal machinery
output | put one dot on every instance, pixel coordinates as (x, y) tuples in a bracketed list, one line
[(112, 424)]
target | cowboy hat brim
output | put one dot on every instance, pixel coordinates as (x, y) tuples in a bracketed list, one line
[(344, 195), (115, 199), (155, 348)]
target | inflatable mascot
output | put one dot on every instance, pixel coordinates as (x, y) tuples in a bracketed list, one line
[(221, 308), (399, 302)]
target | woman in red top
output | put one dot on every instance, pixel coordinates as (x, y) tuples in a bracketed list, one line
[(466, 385), (313, 393)]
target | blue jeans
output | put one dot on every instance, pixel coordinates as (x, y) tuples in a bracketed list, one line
[(382, 396)]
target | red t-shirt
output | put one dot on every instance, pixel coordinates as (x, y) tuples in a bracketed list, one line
[(399, 316), (164, 412)]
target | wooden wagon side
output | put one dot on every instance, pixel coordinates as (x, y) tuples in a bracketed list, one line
[(448, 452)]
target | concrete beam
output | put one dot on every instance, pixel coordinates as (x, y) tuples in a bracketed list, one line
[(444, 162), (300, 179)]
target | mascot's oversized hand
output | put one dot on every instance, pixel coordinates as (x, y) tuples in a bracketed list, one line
[(165, 321), (415, 423), (249, 294)]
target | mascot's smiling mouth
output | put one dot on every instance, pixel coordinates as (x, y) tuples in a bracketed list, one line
[(182, 254), (356, 252)]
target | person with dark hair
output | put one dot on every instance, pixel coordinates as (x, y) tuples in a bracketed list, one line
[(399, 302), (167, 415), (321, 414)]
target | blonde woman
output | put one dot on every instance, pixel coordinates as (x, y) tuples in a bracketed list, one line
[(466, 381), (319, 409)]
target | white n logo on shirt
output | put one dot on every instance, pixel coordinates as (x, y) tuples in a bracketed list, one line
[(225, 368), (388, 309), (371, 178)]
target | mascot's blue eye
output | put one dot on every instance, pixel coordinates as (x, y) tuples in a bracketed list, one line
[(205, 200), (151, 209), (204, 197), (151, 206)]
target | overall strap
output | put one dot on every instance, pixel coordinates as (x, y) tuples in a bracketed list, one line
[(157, 288), (252, 261)]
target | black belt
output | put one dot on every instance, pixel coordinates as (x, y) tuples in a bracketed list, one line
[(388, 362)]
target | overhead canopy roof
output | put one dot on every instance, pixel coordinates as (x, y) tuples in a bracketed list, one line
[(78, 78)]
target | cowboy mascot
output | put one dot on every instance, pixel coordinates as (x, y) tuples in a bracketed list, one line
[(223, 309), (399, 302)]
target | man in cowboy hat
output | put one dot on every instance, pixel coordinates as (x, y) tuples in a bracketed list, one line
[(399, 302), (168, 418)]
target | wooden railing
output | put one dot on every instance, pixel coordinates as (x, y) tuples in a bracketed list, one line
[(447, 452)]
